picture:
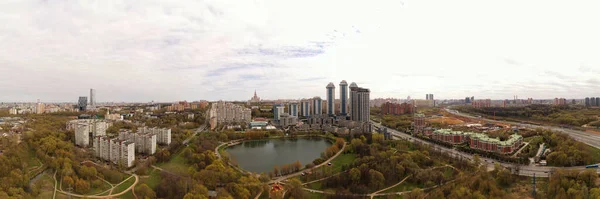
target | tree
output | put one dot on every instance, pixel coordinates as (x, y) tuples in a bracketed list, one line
[(145, 192), (376, 179), (82, 186), (67, 181), (295, 189), (355, 175), (416, 193)]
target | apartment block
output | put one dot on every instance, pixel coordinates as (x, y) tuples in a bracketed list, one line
[(163, 135), (396, 108), (86, 129), (117, 151), (144, 142), (479, 141), (223, 113)]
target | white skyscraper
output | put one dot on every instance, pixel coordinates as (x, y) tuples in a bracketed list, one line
[(343, 98), (92, 98)]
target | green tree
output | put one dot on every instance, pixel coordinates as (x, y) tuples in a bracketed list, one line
[(376, 179), (145, 192), (295, 189), (355, 175), (82, 186)]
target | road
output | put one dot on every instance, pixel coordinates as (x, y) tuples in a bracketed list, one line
[(198, 130), (591, 139), (522, 169)]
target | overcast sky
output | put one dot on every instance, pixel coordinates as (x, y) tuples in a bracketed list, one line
[(143, 50)]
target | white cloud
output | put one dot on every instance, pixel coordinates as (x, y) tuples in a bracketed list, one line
[(174, 50)]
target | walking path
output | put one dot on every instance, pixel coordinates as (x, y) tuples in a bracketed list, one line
[(110, 195), (385, 189), (55, 184), (282, 178)]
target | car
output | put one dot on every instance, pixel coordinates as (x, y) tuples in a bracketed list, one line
[(303, 173), (329, 164)]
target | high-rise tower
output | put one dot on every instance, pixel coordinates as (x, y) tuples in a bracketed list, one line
[(359, 99), (92, 97), (330, 98), (305, 108), (82, 104), (352, 85), (317, 105), (343, 97), (293, 109)]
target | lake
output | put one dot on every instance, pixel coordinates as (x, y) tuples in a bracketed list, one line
[(262, 155)]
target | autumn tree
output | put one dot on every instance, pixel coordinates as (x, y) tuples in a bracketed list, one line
[(376, 179), (67, 181), (82, 186), (295, 189), (145, 192)]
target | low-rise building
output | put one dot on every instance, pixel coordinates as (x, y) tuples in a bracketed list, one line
[(389, 108), (479, 141)]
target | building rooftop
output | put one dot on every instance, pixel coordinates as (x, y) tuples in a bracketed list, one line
[(353, 84), (343, 83), (483, 137), (330, 85)]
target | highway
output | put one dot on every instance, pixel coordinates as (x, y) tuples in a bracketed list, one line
[(591, 139), (523, 170)]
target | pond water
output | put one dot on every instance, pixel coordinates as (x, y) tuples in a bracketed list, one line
[(262, 155)]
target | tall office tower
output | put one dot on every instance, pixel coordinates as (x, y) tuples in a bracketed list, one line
[(352, 85), (305, 108), (317, 105), (597, 101), (278, 109), (343, 97), (293, 108), (359, 99), (593, 101), (92, 97), (82, 105), (426, 96), (330, 99)]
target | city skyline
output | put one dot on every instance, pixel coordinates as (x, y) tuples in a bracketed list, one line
[(56, 51)]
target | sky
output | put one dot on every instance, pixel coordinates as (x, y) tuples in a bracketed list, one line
[(164, 50)]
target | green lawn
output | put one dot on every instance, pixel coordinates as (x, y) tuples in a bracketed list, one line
[(128, 195), (176, 164), (124, 186), (99, 189), (316, 185), (342, 159), (405, 186), (151, 181), (314, 195)]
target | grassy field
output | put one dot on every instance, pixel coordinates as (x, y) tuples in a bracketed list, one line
[(595, 153), (405, 186), (128, 195), (176, 164), (124, 186), (341, 160), (152, 181)]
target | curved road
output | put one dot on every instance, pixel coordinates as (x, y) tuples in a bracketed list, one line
[(282, 178)]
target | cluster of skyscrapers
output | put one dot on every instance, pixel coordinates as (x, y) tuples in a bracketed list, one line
[(592, 101), (82, 103)]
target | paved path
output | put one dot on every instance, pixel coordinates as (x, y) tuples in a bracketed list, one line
[(55, 185), (108, 196), (521, 149), (198, 130), (282, 178)]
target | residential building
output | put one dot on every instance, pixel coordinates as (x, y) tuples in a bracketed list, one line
[(82, 104), (163, 135), (122, 152), (481, 103), (352, 86), (109, 116), (561, 101), (13, 111), (396, 108), (330, 98), (317, 106), (286, 120), (343, 98), (293, 109), (359, 99), (224, 113), (305, 108), (419, 103), (145, 142), (278, 109), (428, 96), (587, 102), (479, 141), (40, 108), (419, 123), (86, 129)]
